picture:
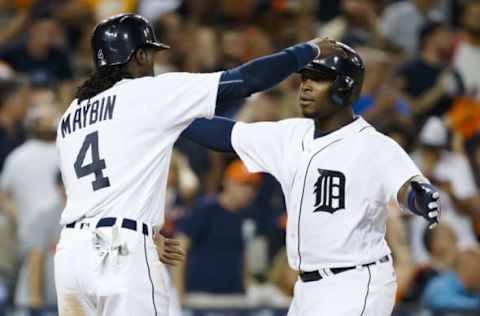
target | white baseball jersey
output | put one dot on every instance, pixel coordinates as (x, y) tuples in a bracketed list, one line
[(336, 187), (115, 148)]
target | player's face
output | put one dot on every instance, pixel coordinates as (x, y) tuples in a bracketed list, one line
[(314, 98)]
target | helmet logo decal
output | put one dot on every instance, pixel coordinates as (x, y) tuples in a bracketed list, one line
[(100, 55)]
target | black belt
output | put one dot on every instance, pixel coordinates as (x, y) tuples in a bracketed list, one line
[(309, 276), (110, 221)]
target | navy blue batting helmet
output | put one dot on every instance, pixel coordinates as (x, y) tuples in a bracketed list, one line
[(116, 39), (346, 72)]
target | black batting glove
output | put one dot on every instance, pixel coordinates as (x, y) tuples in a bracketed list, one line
[(423, 200)]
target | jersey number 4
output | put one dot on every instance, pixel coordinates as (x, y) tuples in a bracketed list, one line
[(96, 166)]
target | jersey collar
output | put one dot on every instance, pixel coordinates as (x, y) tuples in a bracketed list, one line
[(352, 128)]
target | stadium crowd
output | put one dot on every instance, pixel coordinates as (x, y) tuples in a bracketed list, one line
[(422, 88)]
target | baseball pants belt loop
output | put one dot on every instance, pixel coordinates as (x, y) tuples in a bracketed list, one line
[(110, 221), (309, 276)]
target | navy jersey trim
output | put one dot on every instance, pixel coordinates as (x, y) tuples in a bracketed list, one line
[(364, 128), (301, 200), (149, 274), (368, 290)]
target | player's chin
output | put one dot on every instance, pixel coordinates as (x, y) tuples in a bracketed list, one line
[(309, 112)]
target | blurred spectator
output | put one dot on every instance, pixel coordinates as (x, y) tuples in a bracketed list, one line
[(36, 285), (473, 148), (33, 189), (152, 9), (262, 107), (13, 104), (277, 291), (357, 25), (380, 97), (451, 173), (213, 234), (31, 185), (467, 54), (425, 80), (41, 57), (7, 252), (399, 132), (459, 289), (402, 21), (106, 8), (396, 236), (182, 188), (442, 246), (13, 21)]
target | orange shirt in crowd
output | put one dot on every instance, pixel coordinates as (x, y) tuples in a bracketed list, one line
[(464, 116)]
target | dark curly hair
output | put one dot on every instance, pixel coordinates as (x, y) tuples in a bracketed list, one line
[(102, 79)]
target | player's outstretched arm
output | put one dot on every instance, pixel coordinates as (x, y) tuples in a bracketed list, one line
[(263, 73), (214, 134), (422, 198)]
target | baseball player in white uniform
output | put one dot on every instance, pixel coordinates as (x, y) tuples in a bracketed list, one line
[(338, 174), (114, 143)]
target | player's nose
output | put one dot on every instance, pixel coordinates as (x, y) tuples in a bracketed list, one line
[(306, 85)]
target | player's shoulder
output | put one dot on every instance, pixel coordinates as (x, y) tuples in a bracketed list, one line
[(372, 135), (168, 82), (174, 76), (295, 124), (285, 128), (379, 140)]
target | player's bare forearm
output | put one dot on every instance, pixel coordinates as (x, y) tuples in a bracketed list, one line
[(421, 198)]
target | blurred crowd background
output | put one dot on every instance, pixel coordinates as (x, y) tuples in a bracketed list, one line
[(422, 88)]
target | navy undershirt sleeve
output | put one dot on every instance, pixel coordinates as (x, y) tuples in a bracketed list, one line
[(238, 83), (215, 133), (263, 73)]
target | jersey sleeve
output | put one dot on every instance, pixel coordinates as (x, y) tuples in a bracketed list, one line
[(395, 167), (260, 146), (183, 97)]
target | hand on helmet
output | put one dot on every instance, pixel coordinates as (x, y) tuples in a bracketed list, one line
[(328, 47)]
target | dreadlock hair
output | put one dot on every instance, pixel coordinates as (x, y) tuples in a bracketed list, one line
[(102, 79)]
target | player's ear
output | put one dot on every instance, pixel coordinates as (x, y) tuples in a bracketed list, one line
[(141, 56)]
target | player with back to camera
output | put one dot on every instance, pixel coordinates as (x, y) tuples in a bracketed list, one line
[(115, 142), (337, 174)]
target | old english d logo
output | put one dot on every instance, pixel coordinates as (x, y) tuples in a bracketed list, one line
[(329, 191)]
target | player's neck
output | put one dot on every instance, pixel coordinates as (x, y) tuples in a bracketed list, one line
[(330, 124)]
